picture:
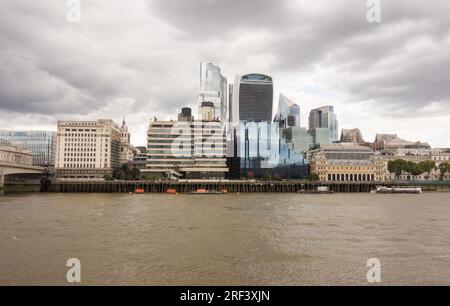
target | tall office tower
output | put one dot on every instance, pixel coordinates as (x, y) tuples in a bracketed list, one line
[(207, 111), (213, 88), (288, 114), (87, 149), (324, 117), (126, 151), (252, 98), (42, 144)]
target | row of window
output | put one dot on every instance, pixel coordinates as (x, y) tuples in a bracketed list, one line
[(77, 144), (80, 150), (81, 130), (351, 177), (82, 166)]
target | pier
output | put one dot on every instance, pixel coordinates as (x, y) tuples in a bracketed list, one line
[(230, 186)]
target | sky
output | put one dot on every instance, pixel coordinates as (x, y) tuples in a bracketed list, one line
[(140, 59)]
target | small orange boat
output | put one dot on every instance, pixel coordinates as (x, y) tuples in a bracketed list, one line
[(139, 191), (204, 191), (171, 191)]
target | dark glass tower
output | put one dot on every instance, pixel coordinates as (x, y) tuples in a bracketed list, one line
[(253, 98)]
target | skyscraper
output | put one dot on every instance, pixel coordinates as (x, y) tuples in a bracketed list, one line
[(213, 88), (324, 117), (288, 114), (252, 98)]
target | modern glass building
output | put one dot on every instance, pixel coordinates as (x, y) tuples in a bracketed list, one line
[(213, 88), (261, 151), (288, 114), (252, 98), (42, 144), (324, 117)]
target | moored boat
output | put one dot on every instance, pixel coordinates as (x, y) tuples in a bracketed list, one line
[(204, 191), (319, 190), (397, 189), (171, 191)]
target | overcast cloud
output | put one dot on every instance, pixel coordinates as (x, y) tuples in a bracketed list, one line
[(141, 59)]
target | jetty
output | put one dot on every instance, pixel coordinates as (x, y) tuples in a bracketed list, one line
[(236, 186)]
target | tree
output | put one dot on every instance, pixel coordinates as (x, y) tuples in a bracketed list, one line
[(397, 167), (428, 166), (135, 173), (119, 174), (313, 177), (416, 169), (443, 169)]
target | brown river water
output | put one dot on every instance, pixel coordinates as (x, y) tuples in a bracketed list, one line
[(246, 239)]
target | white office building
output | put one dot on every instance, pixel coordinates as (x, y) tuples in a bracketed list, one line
[(87, 149)]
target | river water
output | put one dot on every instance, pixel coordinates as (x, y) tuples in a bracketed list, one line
[(246, 239)]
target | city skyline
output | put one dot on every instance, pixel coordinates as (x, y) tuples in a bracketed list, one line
[(381, 78)]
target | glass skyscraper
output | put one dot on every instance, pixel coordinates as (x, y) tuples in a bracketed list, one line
[(288, 114), (256, 147), (42, 144), (252, 98), (213, 88), (324, 117)]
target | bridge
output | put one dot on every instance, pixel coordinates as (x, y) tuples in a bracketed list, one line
[(9, 168)]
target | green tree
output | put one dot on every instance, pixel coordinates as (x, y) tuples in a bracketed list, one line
[(428, 166), (416, 169), (443, 169), (397, 167), (135, 173), (313, 177), (119, 174)]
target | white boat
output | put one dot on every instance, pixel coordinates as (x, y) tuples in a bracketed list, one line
[(397, 189)]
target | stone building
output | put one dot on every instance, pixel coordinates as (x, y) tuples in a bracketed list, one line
[(87, 149), (346, 162)]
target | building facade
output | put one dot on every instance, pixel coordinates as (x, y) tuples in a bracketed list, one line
[(390, 143), (15, 155), (415, 155), (182, 149), (126, 150), (213, 88), (346, 163), (324, 117), (252, 98), (207, 111), (87, 149), (352, 136), (42, 144), (302, 140), (288, 114)]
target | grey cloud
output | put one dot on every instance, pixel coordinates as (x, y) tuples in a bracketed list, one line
[(148, 52)]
